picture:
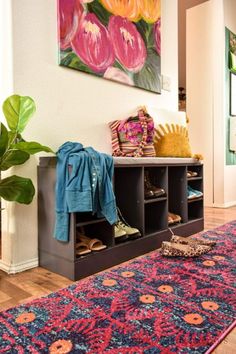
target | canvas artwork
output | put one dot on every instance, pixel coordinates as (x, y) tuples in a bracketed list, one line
[(119, 40)]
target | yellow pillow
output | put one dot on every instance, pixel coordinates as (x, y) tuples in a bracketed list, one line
[(171, 140)]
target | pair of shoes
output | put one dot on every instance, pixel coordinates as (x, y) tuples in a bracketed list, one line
[(179, 250), (124, 231), (151, 191), (185, 246), (193, 193), (173, 218), (191, 174), (191, 241), (86, 245)]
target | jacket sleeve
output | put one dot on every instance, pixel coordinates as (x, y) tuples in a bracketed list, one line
[(61, 229)]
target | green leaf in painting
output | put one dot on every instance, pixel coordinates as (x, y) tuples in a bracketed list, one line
[(18, 189), (3, 139), (146, 31), (149, 77), (102, 14), (66, 58), (18, 110), (77, 64), (12, 158), (31, 147)]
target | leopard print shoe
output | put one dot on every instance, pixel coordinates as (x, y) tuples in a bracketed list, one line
[(191, 241), (179, 250)]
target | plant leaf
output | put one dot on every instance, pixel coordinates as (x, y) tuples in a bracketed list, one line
[(3, 139), (12, 158), (18, 110), (31, 147), (18, 189)]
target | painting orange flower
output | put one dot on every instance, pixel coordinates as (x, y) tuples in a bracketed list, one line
[(129, 9), (118, 40), (150, 10)]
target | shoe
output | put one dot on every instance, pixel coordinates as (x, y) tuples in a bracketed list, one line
[(191, 241), (173, 218), (178, 250), (131, 232), (191, 174), (151, 191), (82, 249), (193, 193), (122, 225), (93, 244), (120, 235)]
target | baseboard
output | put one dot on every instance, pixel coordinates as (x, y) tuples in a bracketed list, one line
[(224, 205), (18, 267)]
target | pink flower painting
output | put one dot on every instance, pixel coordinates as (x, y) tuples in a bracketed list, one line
[(115, 40)]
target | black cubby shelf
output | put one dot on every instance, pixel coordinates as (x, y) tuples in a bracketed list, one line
[(150, 216)]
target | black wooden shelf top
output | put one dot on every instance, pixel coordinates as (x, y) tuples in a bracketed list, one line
[(154, 200), (194, 200)]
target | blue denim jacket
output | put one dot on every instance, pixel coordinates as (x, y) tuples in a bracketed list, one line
[(84, 184)]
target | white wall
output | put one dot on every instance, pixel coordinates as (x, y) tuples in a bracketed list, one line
[(72, 105), (206, 95), (183, 5), (230, 171), (199, 89)]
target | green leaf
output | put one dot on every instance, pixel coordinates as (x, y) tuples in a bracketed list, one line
[(18, 189), (12, 158), (146, 31), (3, 139), (18, 110), (102, 14), (31, 147), (149, 77)]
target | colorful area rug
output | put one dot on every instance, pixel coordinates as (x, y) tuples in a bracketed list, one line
[(148, 305)]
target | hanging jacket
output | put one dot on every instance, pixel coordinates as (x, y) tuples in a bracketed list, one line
[(83, 184)]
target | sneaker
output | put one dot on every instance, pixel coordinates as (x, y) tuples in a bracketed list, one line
[(193, 193)]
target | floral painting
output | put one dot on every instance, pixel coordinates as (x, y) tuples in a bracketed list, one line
[(119, 40)]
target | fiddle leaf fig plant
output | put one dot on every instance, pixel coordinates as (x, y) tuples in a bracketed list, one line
[(14, 150)]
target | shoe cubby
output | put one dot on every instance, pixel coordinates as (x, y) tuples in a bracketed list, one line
[(177, 192), (195, 209), (129, 192), (155, 217), (148, 215), (155, 179)]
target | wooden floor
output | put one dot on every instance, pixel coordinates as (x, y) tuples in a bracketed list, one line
[(28, 285)]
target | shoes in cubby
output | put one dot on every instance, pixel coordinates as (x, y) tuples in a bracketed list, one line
[(122, 226), (191, 174), (173, 218), (85, 244), (151, 191), (193, 193), (120, 234)]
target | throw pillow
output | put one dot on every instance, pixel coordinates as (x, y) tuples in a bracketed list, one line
[(172, 140)]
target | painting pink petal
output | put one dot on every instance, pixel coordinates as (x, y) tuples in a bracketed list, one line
[(70, 12), (128, 44), (157, 36), (118, 75), (92, 44)]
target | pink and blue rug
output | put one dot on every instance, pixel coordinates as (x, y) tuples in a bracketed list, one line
[(149, 305)]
